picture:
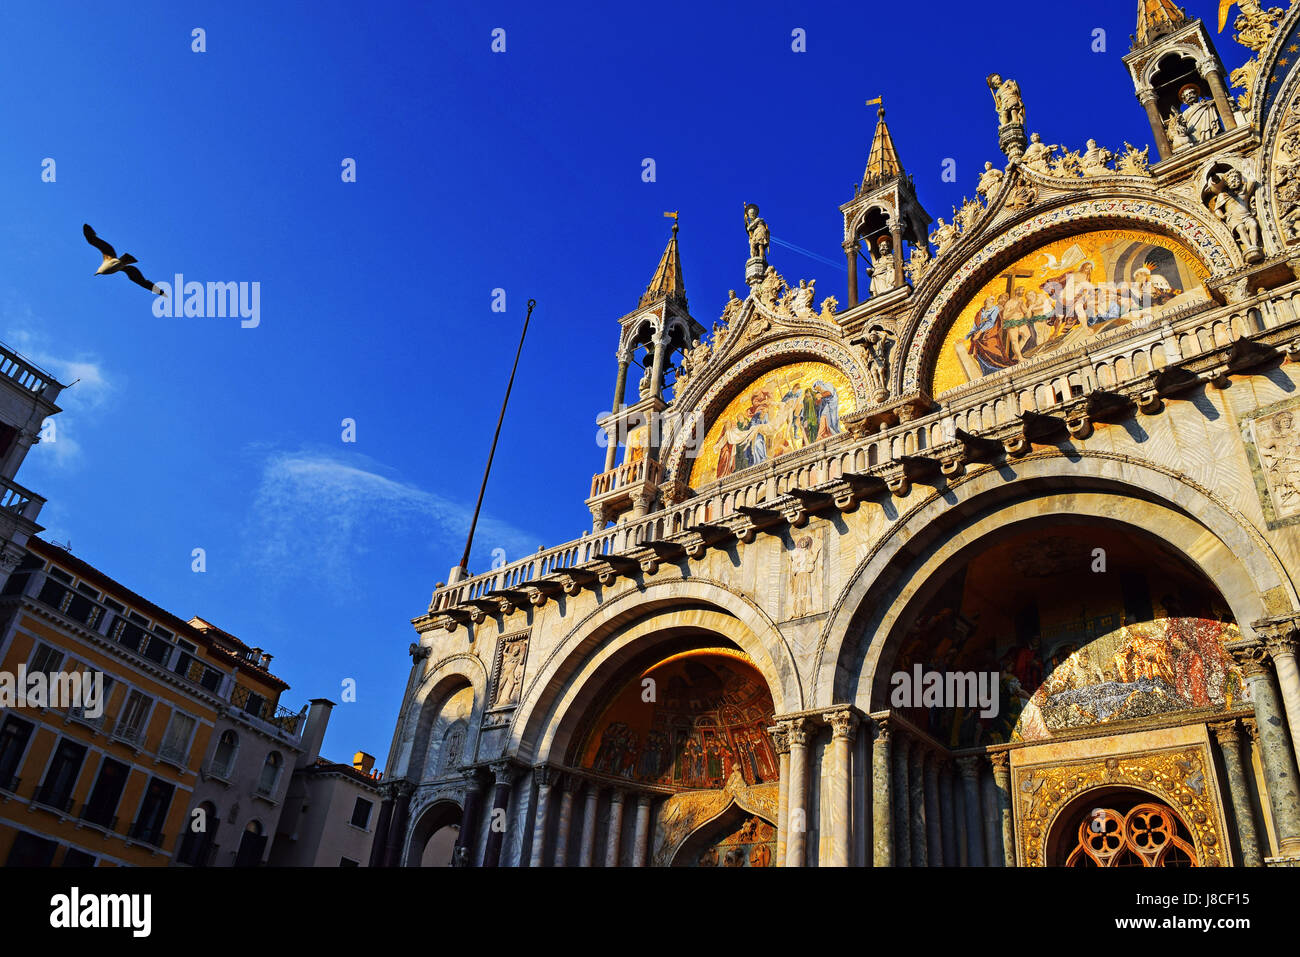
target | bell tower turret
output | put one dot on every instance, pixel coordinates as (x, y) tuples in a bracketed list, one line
[(658, 329), (885, 216)]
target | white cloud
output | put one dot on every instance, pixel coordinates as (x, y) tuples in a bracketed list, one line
[(92, 391), (318, 515)]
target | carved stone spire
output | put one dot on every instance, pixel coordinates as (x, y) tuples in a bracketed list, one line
[(1156, 18), (667, 281), (882, 161)]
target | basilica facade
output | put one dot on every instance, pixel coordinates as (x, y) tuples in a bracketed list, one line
[(995, 563)]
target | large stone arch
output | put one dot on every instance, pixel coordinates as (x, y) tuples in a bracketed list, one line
[(1194, 227), (859, 635), (627, 625), (439, 683), (439, 813), (741, 370)]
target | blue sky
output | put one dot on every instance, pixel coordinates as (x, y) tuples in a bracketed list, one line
[(475, 171)]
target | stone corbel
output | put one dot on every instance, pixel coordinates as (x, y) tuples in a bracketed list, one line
[(1078, 422), (418, 652), (1039, 427), (1149, 402), (759, 519), (978, 448), (865, 485), (1172, 380), (709, 535), (617, 565), (1248, 353), (896, 479), (1103, 405)]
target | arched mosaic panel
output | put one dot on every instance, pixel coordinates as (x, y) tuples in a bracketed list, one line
[(1196, 236), (782, 410), (1063, 294)]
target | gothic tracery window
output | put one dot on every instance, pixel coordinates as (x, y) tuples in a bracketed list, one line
[(1149, 835)]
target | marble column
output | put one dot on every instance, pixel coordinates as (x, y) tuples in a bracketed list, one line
[(970, 780), (896, 242), (1229, 741), (962, 859), (397, 827), (1148, 99), (1006, 827), (464, 850), (615, 836), (949, 825), (1281, 645), (851, 253), (504, 774), (379, 845), (882, 810), (781, 741), (544, 777), (844, 727), (1275, 750), (1213, 74), (902, 824), (564, 825), (796, 838), (933, 819), (588, 851), (993, 854), (660, 342), (620, 390), (641, 837), (916, 804)]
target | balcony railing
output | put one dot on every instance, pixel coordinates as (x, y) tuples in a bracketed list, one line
[(173, 754), (148, 833), (629, 473), (48, 798), (129, 734), (98, 817), (78, 713), (19, 501), (1057, 386), (23, 373)]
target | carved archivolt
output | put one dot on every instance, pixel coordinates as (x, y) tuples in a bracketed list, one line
[(768, 356), (1182, 777), (687, 811), (1201, 237)]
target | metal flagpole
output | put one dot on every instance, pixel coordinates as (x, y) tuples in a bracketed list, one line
[(464, 560)]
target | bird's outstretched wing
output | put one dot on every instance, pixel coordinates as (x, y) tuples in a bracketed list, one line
[(103, 247), (135, 276)]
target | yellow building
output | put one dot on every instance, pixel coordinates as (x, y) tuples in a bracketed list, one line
[(113, 783)]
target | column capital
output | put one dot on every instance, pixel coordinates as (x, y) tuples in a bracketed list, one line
[(473, 779), (881, 729), (1225, 732), (1001, 760), (844, 724), (1251, 656), (545, 775), (1251, 729), (969, 766), (617, 794), (797, 732), (1146, 94), (780, 734), (1209, 66), (503, 772), (849, 245), (645, 798)]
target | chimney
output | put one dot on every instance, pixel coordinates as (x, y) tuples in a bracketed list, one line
[(314, 730), (363, 762)]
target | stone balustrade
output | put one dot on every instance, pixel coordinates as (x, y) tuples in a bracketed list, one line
[(996, 415)]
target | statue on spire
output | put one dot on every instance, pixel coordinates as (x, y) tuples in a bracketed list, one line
[(1011, 115), (759, 239)]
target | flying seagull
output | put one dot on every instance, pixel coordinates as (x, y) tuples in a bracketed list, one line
[(112, 263)]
